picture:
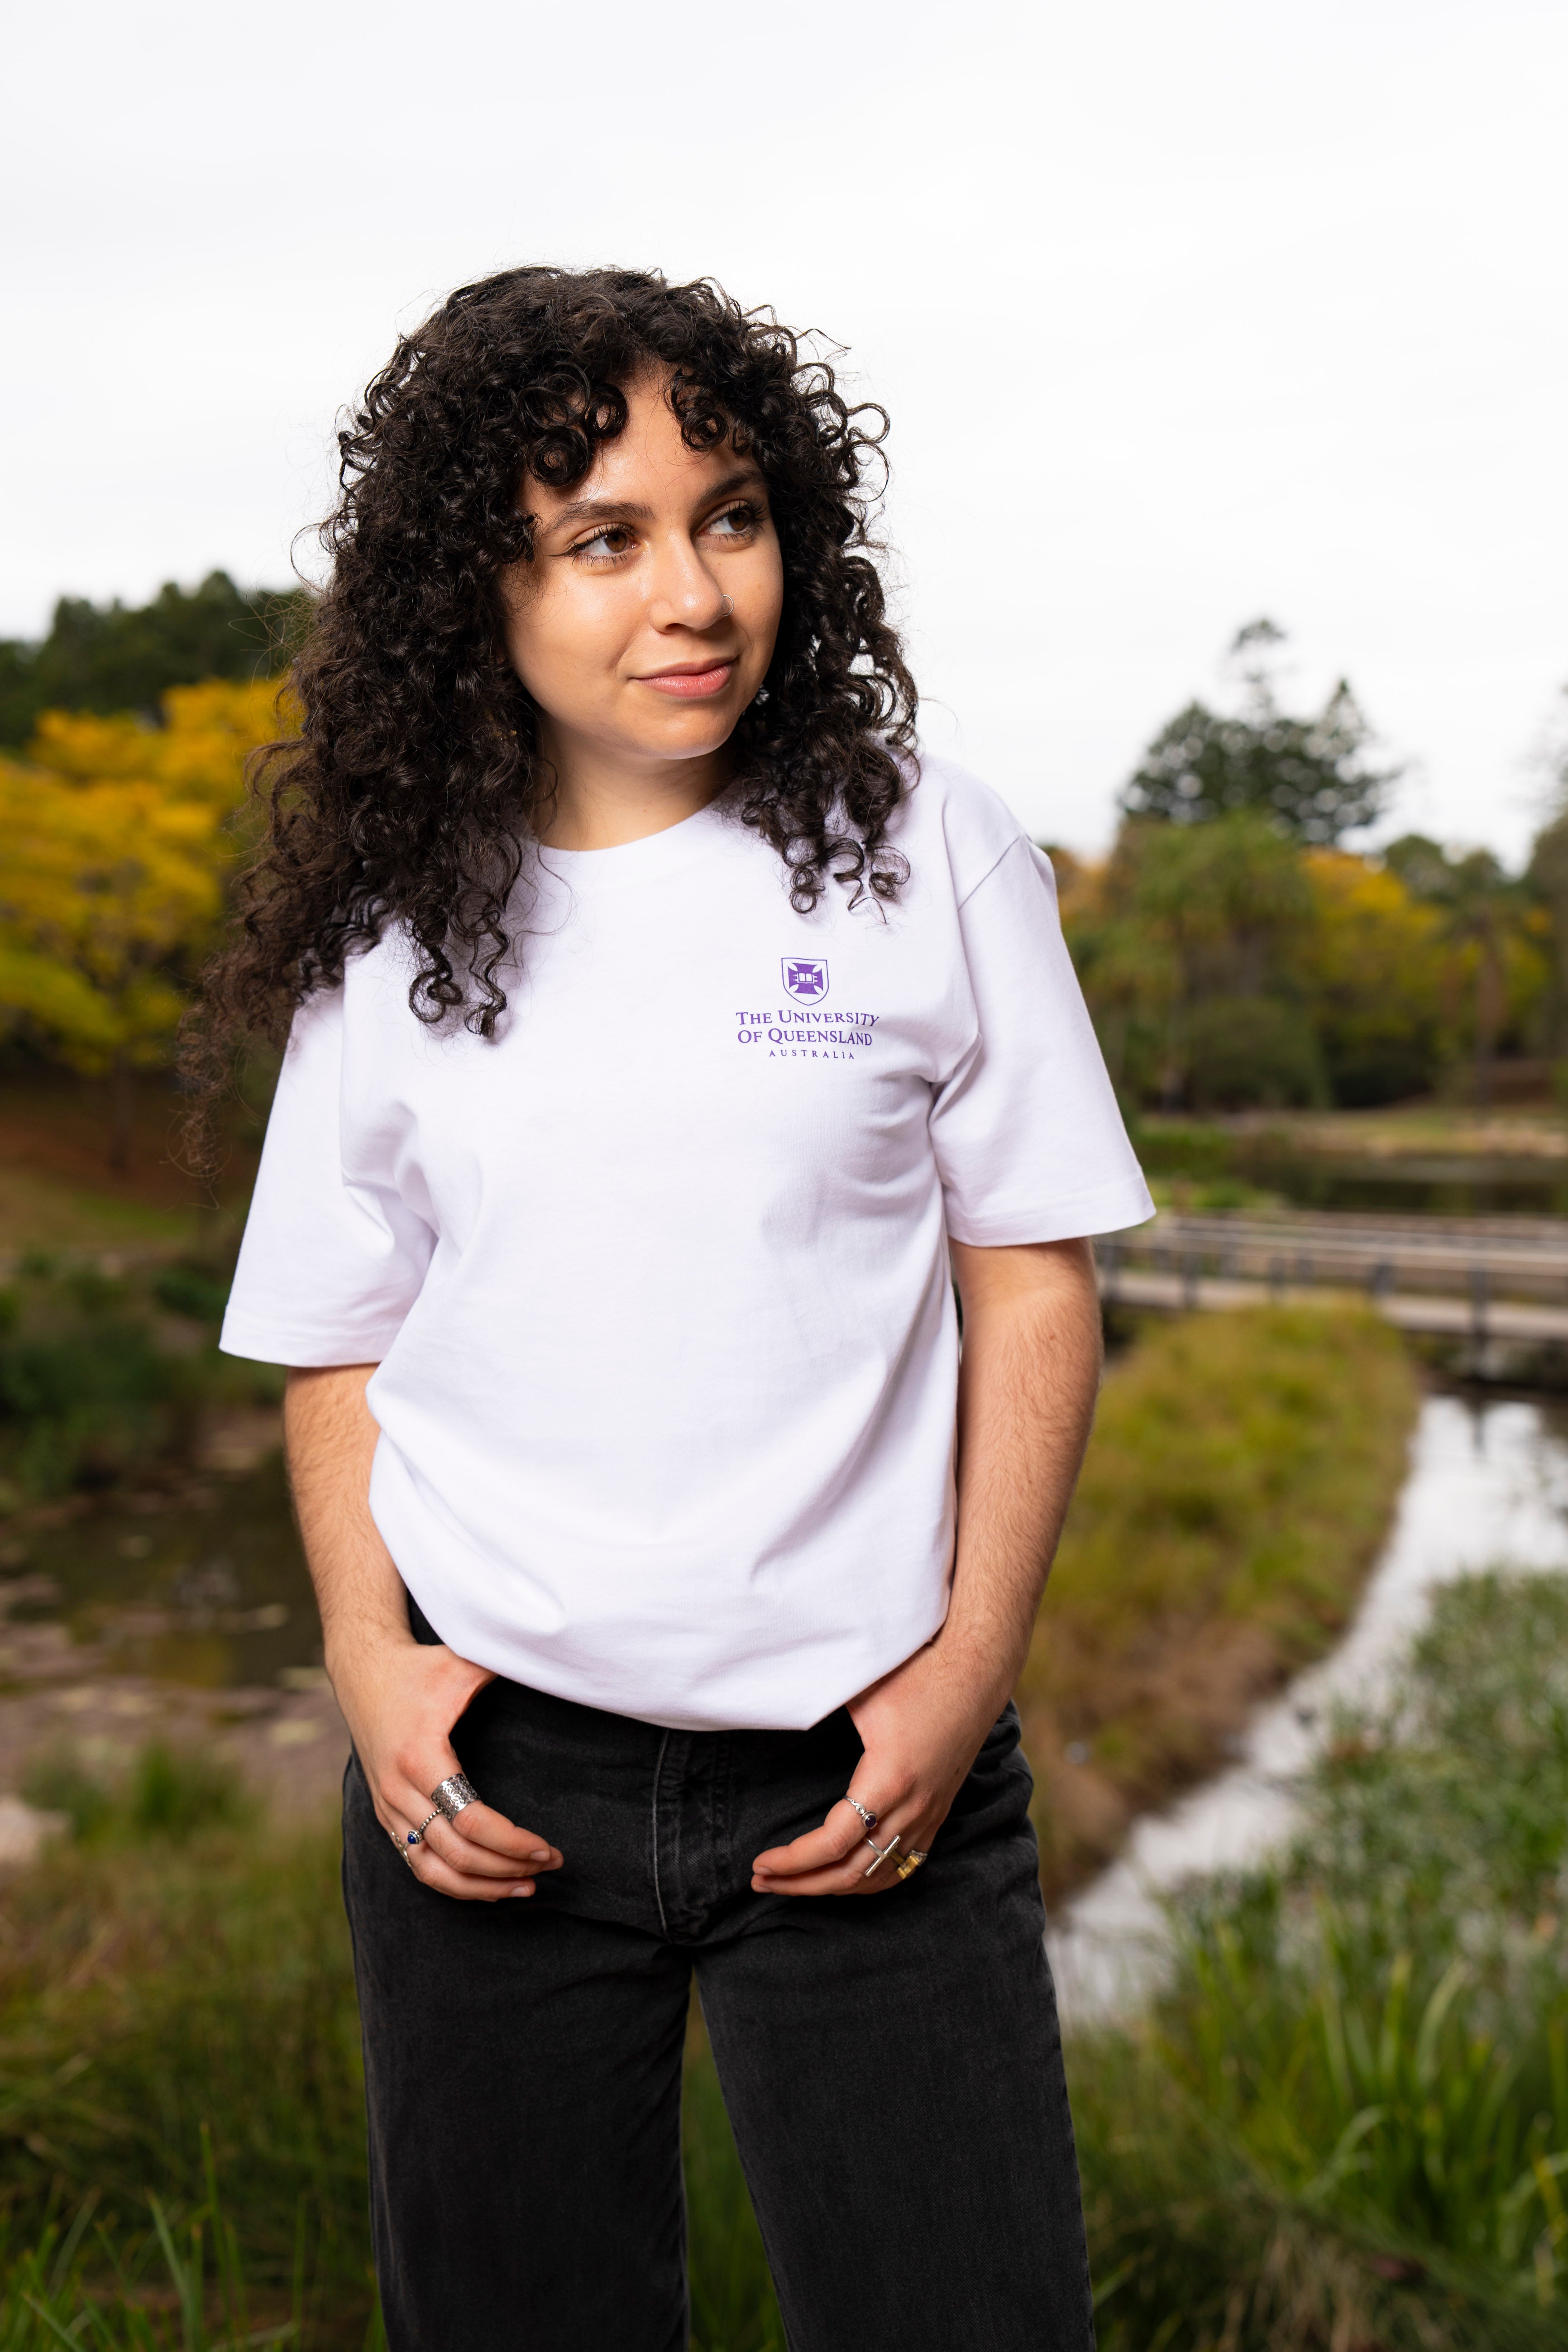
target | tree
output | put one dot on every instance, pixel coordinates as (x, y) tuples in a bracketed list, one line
[(1371, 969), (102, 886), (1187, 917), (1484, 916), (115, 658), (1308, 776), (1546, 876), (116, 842)]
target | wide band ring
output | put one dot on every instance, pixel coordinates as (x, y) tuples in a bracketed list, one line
[(417, 1837), (453, 1796), (912, 1863), (881, 1853), (868, 1817)]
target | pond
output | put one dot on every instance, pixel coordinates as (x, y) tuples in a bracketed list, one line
[(1488, 1487), (1441, 1185), (205, 1585)]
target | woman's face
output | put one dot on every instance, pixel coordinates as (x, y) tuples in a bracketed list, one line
[(644, 623)]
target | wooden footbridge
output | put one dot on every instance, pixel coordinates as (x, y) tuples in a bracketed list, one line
[(1481, 1278)]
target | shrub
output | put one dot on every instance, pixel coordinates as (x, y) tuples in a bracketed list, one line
[(1247, 1052), (194, 1290)]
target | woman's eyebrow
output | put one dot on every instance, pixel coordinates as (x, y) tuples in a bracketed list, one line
[(605, 510), (592, 509)]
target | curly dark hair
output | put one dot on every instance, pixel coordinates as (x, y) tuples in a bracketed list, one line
[(415, 782)]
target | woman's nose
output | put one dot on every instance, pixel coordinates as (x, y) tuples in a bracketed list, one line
[(685, 592)]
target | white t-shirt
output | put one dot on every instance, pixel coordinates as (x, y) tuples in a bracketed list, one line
[(658, 1279)]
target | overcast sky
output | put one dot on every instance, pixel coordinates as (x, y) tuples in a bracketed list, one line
[(1185, 310)]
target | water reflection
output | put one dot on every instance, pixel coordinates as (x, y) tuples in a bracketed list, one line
[(1488, 1487), (205, 1585), (1438, 1185)]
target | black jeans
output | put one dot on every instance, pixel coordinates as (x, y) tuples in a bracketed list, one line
[(891, 2066)]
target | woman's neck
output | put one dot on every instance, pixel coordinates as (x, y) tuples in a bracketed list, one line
[(602, 802)]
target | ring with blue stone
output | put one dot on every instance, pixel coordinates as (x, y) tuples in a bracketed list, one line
[(417, 1837)]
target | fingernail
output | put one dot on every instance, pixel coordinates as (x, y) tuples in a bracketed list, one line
[(520, 1890), (538, 1860)]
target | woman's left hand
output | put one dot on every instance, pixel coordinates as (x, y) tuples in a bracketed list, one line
[(921, 1728)]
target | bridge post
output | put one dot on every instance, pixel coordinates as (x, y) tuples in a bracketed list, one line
[(1480, 1288)]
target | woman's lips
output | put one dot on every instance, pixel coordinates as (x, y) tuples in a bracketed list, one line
[(690, 684)]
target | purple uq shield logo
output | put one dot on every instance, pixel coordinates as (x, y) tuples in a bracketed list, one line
[(805, 978)]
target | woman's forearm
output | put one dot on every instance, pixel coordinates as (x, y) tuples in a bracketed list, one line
[(1027, 1391), (330, 1437)]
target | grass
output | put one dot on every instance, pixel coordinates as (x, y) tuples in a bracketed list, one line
[(1367, 2049), (1240, 1478), (177, 2012), (42, 1212), (58, 1190), (176, 2001), (1210, 1150), (1345, 2124)]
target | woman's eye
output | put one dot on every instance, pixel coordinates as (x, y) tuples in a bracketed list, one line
[(735, 522), (605, 545)]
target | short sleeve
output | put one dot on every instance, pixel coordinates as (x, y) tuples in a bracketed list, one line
[(328, 1270), (1029, 1139)]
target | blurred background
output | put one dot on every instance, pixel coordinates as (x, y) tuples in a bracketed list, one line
[(1225, 351)]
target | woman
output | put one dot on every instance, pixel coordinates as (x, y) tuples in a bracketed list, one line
[(666, 1037)]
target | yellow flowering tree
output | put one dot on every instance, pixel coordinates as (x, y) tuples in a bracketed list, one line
[(116, 845), (1373, 964)]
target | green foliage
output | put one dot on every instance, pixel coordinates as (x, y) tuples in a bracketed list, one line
[(116, 657), (1244, 1050), (1381, 2028), (1242, 1466), (168, 1792), (95, 1385), (734, 2309), (1182, 916), (177, 2286), (1372, 978), (170, 2003), (1308, 776), (194, 1290), (85, 1389), (1345, 2123), (1240, 1476)]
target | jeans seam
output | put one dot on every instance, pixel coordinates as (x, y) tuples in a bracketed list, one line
[(658, 1775)]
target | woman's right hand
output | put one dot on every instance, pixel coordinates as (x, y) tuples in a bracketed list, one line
[(401, 1699)]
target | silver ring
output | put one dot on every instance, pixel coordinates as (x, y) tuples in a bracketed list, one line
[(454, 1795), (881, 1853), (417, 1837), (868, 1818)]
